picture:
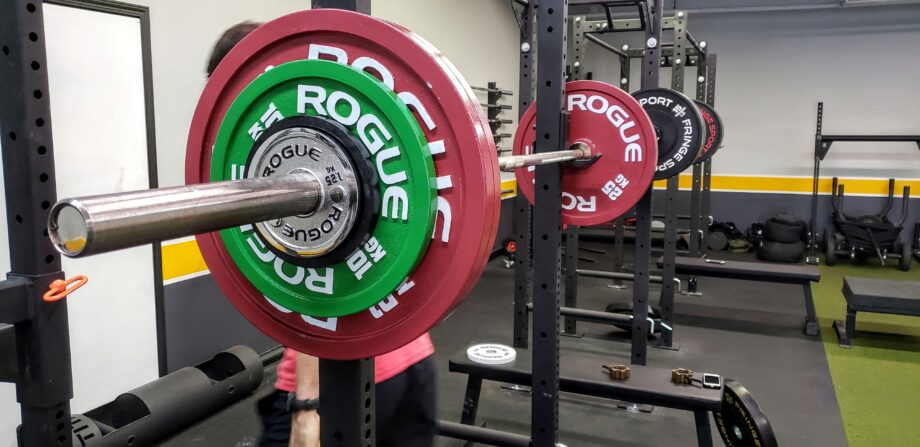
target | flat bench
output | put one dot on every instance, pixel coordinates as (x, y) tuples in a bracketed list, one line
[(582, 374), (802, 275), (879, 296)]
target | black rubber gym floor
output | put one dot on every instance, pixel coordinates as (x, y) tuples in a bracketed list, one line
[(747, 331)]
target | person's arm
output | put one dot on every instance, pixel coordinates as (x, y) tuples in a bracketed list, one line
[(305, 424)]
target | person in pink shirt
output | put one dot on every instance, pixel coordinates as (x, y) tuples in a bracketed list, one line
[(405, 407), (406, 401)]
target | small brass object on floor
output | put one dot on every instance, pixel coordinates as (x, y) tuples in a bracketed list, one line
[(617, 372), (682, 376)]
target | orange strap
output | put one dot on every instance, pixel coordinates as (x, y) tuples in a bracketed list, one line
[(59, 289)]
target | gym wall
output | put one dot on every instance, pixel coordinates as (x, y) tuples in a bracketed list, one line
[(773, 69)]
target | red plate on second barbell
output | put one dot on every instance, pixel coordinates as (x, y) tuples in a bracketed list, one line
[(449, 115), (616, 128)]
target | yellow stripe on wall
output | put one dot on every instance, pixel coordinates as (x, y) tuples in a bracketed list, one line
[(798, 185), (182, 258)]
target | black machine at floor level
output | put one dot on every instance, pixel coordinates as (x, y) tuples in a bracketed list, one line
[(822, 147), (915, 242), (868, 234), (147, 414)]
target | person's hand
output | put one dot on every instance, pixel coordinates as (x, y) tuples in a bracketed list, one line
[(305, 429)]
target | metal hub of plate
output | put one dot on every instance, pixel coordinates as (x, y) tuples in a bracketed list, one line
[(299, 149), (679, 127)]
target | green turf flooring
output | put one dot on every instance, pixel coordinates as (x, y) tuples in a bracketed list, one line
[(877, 381)]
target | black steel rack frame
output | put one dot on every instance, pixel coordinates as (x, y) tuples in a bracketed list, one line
[(639, 320), (676, 55), (822, 147), (36, 345)]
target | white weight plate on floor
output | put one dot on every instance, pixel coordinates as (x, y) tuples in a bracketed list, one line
[(491, 354)]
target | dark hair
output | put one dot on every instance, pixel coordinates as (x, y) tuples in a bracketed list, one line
[(227, 41)]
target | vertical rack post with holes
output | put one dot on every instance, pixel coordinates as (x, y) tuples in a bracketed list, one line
[(552, 20), (39, 331), (696, 187), (643, 239), (689, 52), (649, 21), (347, 384), (521, 219), (619, 224), (678, 58), (705, 206), (700, 218)]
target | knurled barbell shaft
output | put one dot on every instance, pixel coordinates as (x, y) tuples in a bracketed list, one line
[(97, 224), (92, 225)]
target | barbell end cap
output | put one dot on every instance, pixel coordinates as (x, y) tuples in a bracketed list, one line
[(69, 228)]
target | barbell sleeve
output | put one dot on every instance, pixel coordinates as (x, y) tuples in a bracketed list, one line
[(91, 225), (85, 226)]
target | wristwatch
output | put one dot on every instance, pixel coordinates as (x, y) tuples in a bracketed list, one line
[(294, 404)]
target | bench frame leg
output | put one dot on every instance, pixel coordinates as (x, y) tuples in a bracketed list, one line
[(471, 403), (471, 400), (703, 432), (811, 321), (846, 333)]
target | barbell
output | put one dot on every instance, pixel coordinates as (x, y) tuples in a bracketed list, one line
[(343, 184), (86, 226)]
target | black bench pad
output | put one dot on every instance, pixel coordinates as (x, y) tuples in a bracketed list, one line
[(882, 296), (750, 271), (581, 373), (802, 275)]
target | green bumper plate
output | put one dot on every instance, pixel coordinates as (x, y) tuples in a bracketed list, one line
[(404, 165)]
